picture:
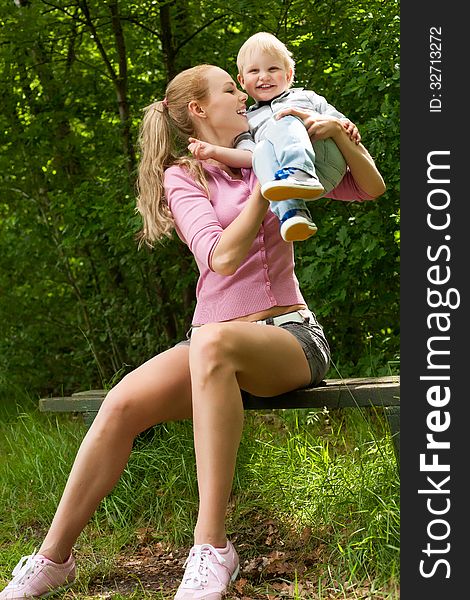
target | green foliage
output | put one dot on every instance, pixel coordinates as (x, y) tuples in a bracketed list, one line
[(78, 302)]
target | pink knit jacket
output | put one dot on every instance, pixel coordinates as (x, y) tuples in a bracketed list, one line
[(266, 277)]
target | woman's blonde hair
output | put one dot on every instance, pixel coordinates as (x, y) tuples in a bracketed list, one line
[(265, 42), (163, 137)]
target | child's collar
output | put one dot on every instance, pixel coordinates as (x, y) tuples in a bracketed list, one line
[(259, 104)]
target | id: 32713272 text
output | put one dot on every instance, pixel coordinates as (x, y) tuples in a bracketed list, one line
[(435, 72)]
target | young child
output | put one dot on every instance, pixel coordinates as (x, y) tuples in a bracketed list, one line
[(286, 164)]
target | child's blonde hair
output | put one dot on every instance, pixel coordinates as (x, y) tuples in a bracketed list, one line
[(265, 42), (163, 137)]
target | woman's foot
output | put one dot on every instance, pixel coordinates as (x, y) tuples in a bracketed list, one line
[(209, 572), (36, 576)]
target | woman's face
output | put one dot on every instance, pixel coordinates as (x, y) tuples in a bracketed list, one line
[(224, 108)]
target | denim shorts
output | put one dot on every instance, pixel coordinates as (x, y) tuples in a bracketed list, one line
[(310, 336)]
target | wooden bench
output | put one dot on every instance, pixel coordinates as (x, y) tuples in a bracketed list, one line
[(380, 392)]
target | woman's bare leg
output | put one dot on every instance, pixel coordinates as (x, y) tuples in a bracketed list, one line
[(264, 360), (225, 357), (158, 391)]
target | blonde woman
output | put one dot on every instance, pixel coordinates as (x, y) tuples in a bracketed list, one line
[(250, 321)]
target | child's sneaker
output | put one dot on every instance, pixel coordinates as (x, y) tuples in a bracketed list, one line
[(208, 573), (292, 183), (297, 226), (36, 576)]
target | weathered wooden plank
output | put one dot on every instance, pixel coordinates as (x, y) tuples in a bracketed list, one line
[(333, 395), (71, 404), (336, 393), (356, 381), (90, 393)]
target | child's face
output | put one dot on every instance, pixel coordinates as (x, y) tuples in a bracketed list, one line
[(264, 76)]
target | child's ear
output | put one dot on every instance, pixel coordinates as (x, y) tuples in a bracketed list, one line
[(240, 80), (289, 76)]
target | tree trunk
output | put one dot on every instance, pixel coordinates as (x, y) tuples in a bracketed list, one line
[(120, 84), (168, 46)]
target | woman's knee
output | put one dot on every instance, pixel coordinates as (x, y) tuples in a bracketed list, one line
[(211, 348), (119, 411)]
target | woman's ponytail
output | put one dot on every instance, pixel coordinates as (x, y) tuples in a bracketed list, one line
[(163, 136)]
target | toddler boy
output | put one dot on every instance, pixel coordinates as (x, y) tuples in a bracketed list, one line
[(289, 168)]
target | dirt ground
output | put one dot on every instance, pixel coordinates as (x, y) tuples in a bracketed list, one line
[(270, 576)]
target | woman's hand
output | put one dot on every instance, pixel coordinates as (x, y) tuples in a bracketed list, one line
[(320, 127), (344, 134), (351, 130), (201, 150)]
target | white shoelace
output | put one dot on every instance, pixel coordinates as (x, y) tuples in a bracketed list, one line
[(198, 564), (25, 567)]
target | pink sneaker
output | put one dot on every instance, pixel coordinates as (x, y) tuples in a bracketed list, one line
[(208, 572), (36, 576)]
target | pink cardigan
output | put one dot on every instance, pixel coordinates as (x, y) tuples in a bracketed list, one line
[(266, 277)]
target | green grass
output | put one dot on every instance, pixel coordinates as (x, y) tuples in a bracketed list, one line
[(320, 489)]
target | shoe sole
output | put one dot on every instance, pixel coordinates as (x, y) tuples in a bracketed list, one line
[(277, 193), (58, 590), (299, 233), (53, 592)]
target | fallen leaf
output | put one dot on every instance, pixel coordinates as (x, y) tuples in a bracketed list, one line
[(240, 584)]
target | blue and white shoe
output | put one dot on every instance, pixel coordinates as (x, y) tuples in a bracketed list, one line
[(297, 226), (292, 183)]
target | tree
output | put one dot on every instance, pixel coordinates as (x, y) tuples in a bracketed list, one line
[(79, 305)]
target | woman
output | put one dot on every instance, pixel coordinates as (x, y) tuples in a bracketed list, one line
[(246, 281)]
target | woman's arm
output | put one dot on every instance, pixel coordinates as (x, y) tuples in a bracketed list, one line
[(236, 239), (358, 159), (360, 163), (197, 224)]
